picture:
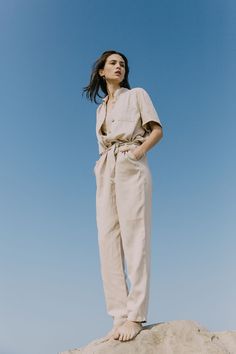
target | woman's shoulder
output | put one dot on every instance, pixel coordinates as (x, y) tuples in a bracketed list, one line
[(138, 89), (139, 92)]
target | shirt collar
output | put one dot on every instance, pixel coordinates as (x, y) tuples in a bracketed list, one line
[(116, 94)]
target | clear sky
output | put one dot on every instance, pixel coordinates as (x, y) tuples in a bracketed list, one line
[(183, 54)]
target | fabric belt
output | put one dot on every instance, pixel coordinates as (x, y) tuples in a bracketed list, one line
[(120, 146), (111, 156)]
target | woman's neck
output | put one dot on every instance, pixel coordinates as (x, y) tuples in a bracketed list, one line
[(111, 89)]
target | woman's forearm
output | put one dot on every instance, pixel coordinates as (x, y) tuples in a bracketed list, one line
[(155, 135), (153, 139)]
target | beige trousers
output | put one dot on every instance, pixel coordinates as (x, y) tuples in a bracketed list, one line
[(123, 215)]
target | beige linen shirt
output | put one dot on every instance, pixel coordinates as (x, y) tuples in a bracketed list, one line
[(128, 119)]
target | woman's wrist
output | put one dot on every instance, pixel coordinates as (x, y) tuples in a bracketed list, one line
[(143, 149), (139, 152)]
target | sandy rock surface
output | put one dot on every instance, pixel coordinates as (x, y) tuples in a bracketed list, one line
[(175, 337)]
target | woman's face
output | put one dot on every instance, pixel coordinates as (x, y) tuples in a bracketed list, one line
[(114, 69)]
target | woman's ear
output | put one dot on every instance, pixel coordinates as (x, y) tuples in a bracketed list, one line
[(101, 72)]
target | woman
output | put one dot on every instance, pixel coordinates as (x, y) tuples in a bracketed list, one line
[(127, 127)]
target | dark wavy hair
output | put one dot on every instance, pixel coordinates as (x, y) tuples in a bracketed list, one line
[(97, 82)]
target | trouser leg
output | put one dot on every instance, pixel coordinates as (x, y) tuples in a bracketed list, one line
[(109, 241), (133, 184)]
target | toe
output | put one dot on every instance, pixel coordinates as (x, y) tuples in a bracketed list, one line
[(116, 335), (124, 338), (128, 337), (121, 338)]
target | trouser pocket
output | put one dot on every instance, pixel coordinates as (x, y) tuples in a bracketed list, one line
[(131, 156)]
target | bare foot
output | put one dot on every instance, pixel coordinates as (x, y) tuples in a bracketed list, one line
[(127, 331), (110, 334)]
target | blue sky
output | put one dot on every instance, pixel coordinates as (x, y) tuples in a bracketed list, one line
[(183, 53)]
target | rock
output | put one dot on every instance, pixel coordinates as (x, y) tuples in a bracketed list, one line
[(174, 337)]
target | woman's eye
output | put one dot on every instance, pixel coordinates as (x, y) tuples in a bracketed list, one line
[(113, 63)]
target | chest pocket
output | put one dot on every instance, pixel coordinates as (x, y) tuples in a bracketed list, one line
[(128, 114)]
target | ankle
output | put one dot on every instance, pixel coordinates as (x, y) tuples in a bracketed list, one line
[(136, 322)]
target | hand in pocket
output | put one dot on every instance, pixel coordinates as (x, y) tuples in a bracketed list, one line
[(137, 152)]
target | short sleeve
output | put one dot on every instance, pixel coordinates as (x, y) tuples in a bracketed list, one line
[(146, 107)]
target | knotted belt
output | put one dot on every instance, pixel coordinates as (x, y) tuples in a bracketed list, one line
[(120, 146), (111, 153)]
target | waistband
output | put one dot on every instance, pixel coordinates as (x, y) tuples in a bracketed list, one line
[(120, 146)]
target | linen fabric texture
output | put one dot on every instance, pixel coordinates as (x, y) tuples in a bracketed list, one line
[(124, 203), (132, 112)]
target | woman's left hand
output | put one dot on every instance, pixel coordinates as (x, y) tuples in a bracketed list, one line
[(138, 152)]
